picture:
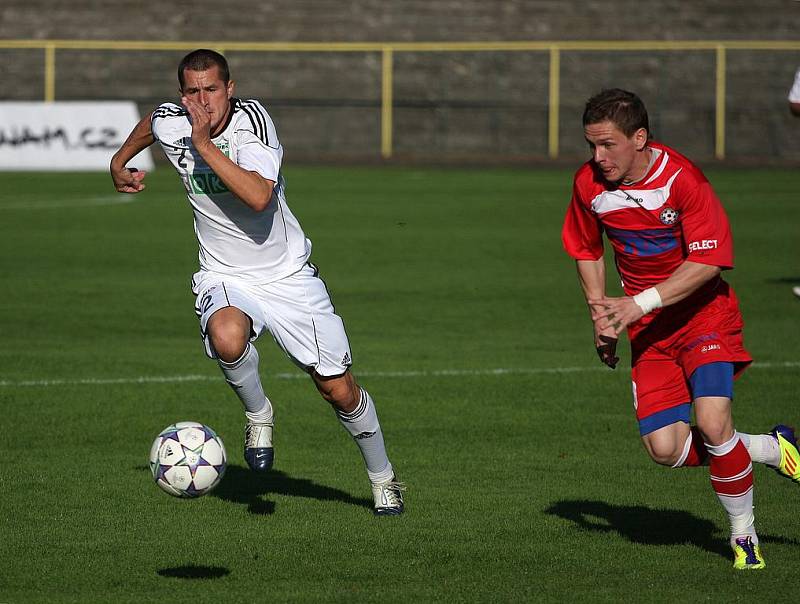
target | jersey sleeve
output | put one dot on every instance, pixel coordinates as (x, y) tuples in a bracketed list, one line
[(706, 231), (162, 111), (581, 235), (258, 147)]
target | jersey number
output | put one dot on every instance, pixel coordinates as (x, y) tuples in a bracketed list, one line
[(205, 303)]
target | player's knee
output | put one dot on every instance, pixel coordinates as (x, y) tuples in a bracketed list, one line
[(228, 342), (715, 431), (662, 449), (665, 457)]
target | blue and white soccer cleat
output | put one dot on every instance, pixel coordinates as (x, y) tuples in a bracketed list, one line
[(789, 465), (258, 451), (388, 497), (747, 555)]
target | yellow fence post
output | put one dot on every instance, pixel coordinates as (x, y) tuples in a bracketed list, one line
[(386, 102), (554, 102), (719, 142), (50, 72)]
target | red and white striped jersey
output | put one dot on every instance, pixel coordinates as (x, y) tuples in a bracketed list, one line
[(670, 215)]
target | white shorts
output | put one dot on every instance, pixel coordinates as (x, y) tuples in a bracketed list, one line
[(296, 310)]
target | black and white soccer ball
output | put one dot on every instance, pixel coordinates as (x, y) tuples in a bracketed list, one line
[(187, 459)]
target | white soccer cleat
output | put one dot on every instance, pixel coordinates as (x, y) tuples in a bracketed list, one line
[(388, 497), (258, 451)]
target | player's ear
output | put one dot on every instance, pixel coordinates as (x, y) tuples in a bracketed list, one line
[(230, 88), (640, 138)]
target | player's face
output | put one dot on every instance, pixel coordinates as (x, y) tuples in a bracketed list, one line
[(207, 89), (619, 157)]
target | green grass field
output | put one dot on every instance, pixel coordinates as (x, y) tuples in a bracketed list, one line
[(527, 481)]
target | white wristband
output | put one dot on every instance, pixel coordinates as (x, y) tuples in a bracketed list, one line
[(648, 300)]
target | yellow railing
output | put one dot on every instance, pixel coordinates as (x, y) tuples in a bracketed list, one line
[(388, 49)]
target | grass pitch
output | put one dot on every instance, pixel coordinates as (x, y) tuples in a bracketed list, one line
[(526, 478)]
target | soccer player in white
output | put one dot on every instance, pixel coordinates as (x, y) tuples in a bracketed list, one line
[(255, 275)]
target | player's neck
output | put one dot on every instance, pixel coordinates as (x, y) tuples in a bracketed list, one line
[(641, 166)]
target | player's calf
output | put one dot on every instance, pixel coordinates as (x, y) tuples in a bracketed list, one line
[(340, 391)]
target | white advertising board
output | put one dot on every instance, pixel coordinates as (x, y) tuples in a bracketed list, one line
[(66, 135)]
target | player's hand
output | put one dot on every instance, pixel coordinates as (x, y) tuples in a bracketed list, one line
[(607, 350), (615, 313), (128, 180), (201, 122)]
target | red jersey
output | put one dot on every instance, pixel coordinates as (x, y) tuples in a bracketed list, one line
[(672, 214)]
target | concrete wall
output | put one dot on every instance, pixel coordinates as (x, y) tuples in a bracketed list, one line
[(448, 106)]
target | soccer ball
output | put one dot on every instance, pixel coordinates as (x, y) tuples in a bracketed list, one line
[(187, 459)]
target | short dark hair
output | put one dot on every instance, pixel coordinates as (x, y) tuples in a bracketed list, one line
[(202, 59), (622, 108)]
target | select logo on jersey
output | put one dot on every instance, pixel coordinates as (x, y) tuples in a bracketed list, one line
[(705, 244), (668, 215), (206, 183)]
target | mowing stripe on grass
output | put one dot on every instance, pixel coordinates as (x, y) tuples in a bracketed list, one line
[(168, 379)]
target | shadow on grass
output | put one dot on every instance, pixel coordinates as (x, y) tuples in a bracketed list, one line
[(785, 280), (641, 524), (193, 571), (242, 485)]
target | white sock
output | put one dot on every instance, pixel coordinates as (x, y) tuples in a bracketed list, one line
[(362, 424), (763, 448), (242, 376)]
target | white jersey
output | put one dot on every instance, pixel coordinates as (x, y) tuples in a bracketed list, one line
[(234, 239)]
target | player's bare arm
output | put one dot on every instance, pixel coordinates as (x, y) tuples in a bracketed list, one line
[(126, 180), (618, 313), (252, 188), (592, 276)]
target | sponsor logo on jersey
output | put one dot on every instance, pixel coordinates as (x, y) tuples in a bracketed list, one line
[(705, 244), (710, 347), (668, 215), (709, 337), (206, 183), (646, 242)]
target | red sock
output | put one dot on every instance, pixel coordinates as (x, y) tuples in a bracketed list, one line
[(732, 471), (697, 453)]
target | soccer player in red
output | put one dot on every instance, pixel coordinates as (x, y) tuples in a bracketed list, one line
[(671, 241)]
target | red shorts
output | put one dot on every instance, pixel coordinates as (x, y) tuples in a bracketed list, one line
[(669, 345)]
